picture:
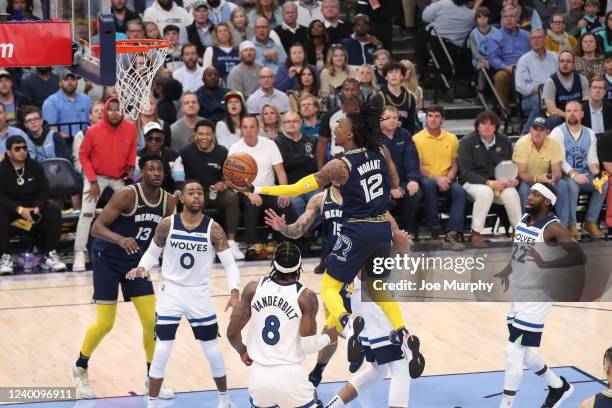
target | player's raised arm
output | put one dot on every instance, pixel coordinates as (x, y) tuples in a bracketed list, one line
[(302, 224), (575, 256), (219, 241), (151, 256), (239, 318), (309, 341), (121, 202)]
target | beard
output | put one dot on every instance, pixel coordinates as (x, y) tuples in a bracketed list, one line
[(532, 210)]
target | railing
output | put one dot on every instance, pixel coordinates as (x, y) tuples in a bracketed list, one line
[(483, 100), (431, 34), (69, 125)]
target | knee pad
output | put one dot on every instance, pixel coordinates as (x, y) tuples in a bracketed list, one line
[(206, 333), (214, 356), (166, 332), (515, 357)]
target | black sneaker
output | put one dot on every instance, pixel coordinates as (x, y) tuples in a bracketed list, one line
[(315, 378), (557, 395), (319, 269), (351, 332), (356, 365)]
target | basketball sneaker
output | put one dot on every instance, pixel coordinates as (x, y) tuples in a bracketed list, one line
[(52, 262), (410, 345), (80, 378), (6, 265), (79, 262), (225, 404), (356, 365), (351, 331), (557, 395), (165, 393)]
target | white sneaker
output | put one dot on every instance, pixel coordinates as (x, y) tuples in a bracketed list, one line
[(80, 378), (6, 265), (53, 263), (79, 261), (236, 252), (225, 404), (165, 393)]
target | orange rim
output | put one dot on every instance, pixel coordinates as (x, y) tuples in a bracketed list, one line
[(134, 46)]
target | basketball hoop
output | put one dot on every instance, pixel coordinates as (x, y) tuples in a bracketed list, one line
[(137, 63)]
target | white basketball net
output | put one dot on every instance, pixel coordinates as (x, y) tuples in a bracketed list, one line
[(135, 74)]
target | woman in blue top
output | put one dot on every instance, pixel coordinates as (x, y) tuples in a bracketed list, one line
[(605, 35)]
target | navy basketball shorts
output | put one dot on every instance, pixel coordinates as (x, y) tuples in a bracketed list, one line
[(109, 273), (523, 337), (357, 245)]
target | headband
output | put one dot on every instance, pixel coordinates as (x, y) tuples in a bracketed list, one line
[(292, 269), (542, 189)]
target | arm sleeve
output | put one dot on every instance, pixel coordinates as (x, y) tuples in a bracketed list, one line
[(229, 264), (304, 185), (312, 344), (151, 256)]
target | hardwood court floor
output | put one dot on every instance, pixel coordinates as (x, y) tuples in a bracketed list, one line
[(43, 319)]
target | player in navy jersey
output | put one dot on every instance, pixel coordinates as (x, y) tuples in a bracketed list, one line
[(366, 176), (604, 398), (327, 206), (122, 233)]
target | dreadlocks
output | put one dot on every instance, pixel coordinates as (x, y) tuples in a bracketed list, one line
[(288, 257), (365, 125)]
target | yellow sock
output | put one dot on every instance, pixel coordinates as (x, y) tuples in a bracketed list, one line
[(102, 326), (330, 293), (145, 307)]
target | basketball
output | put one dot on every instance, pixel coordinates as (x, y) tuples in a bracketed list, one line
[(238, 167)]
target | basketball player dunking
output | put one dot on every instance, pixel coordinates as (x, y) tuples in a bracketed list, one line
[(526, 319), (188, 242), (283, 326), (328, 206), (366, 174), (123, 231), (604, 398)]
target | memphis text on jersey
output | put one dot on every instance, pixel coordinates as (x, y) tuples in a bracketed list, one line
[(275, 301)]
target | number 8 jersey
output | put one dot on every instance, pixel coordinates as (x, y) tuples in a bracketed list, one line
[(274, 331), (188, 253)]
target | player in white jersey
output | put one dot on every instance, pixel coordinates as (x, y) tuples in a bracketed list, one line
[(383, 352), (283, 315), (188, 242), (537, 232)]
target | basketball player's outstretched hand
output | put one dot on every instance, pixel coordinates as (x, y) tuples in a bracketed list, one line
[(244, 189), (274, 220), (246, 359), (129, 244), (402, 237), (233, 300), (138, 272), (503, 275)]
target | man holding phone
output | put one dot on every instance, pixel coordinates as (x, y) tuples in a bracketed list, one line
[(23, 195)]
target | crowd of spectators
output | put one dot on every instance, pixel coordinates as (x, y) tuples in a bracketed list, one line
[(273, 80)]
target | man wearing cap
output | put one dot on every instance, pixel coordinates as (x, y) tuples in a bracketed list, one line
[(244, 77), (12, 100), (182, 130), (23, 196), (191, 73), (268, 53), (67, 105), (361, 45), (267, 94), (198, 33), (7, 131), (538, 158), (581, 167), (174, 174), (210, 96), (108, 156)]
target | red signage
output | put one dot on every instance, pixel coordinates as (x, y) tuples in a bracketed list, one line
[(35, 44)]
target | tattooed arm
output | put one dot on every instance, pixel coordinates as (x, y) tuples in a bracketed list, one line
[(218, 237), (335, 171), (301, 225), (151, 256), (239, 318), (309, 341)]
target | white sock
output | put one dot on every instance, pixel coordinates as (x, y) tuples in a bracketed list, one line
[(223, 396), (151, 402), (507, 401), (335, 402), (552, 379)]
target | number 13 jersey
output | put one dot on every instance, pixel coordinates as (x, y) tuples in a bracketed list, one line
[(188, 254), (274, 332)]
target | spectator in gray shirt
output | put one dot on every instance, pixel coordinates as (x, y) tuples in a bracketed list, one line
[(184, 128), (532, 70), (244, 77)]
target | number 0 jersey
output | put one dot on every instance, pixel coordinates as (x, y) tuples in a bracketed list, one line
[(188, 254), (366, 192), (140, 224), (274, 332)]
